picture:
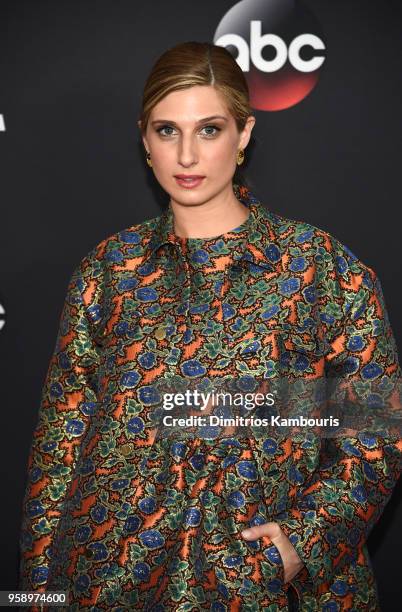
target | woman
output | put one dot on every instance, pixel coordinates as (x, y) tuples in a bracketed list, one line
[(119, 510)]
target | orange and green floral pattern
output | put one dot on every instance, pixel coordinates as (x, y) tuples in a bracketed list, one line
[(124, 519)]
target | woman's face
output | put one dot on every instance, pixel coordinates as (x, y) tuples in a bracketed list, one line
[(191, 132)]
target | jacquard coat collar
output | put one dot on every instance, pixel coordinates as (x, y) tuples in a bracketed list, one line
[(262, 246)]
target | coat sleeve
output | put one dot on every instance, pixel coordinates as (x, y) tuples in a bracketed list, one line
[(68, 400), (356, 475)]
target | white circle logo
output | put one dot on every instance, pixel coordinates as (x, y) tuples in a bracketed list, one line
[(278, 45)]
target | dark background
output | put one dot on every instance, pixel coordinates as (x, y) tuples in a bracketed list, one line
[(73, 172)]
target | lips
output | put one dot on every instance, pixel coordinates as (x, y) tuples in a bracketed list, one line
[(189, 180)]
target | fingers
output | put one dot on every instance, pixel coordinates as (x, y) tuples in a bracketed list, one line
[(272, 530)]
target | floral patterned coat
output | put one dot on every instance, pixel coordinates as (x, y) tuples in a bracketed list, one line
[(122, 519)]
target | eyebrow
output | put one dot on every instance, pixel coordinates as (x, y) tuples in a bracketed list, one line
[(198, 122)]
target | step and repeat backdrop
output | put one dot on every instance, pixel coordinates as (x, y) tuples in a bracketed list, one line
[(326, 91)]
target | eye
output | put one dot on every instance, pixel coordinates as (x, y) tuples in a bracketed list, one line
[(214, 127), (164, 127)]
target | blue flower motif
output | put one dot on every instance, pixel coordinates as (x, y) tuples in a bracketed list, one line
[(114, 255), (35, 508), (258, 519), (223, 590), (302, 363), (274, 585), (367, 440), (298, 264), (200, 256), (132, 523), (236, 499), (82, 582), (247, 470), (47, 447), (232, 561), (273, 253), (187, 336), (270, 312), (141, 570), (359, 494), (295, 475), (178, 449), (88, 408), (82, 534), (351, 365), (197, 461), (375, 401), (192, 517), (327, 318), (149, 395), (121, 328), (349, 448), (87, 466), (305, 236), (75, 427), (64, 361), (356, 315), (39, 574), (339, 587), (36, 473), (289, 286), (95, 312), (193, 368), (369, 472), (371, 370), (228, 311), (218, 606), (135, 425), (129, 379), (355, 343), (229, 460), (272, 553), (270, 446), (146, 294), (99, 550), (330, 606), (331, 537), (152, 538), (146, 268), (120, 483), (147, 505), (310, 294), (98, 513), (341, 264), (130, 237), (56, 390), (126, 284)]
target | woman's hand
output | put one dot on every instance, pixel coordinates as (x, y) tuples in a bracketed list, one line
[(291, 560)]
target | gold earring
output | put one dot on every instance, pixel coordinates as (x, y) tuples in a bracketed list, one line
[(240, 157), (149, 160)]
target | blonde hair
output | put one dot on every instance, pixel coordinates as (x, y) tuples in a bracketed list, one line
[(198, 63)]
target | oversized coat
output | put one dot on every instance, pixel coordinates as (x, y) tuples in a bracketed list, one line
[(124, 519)]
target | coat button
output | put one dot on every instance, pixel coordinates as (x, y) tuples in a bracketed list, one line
[(89, 553), (160, 333)]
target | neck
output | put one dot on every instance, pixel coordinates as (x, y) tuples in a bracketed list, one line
[(209, 218)]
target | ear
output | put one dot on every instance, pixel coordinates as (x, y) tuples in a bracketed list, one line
[(246, 133), (144, 140)]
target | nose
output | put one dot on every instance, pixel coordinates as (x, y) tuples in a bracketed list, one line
[(187, 151)]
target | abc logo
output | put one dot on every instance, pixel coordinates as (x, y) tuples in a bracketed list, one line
[(279, 46), (283, 53)]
